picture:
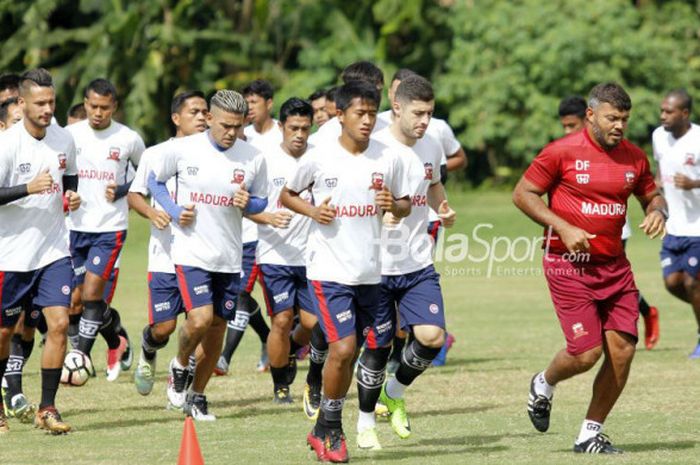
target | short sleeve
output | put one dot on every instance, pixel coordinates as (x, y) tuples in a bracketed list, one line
[(450, 144), (645, 182), (304, 175), (137, 150), (165, 166), (437, 162), (71, 166), (259, 188), (140, 182), (5, 160), (400, 184), (545, 169)]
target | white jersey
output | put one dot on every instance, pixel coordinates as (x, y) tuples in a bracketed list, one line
[(332, 130), (347, 250), (161, 240), (282, 246), (407, 247), (265, 141), (626, 229), (33, 231), (208, 178), (103, 157), (680, 156)]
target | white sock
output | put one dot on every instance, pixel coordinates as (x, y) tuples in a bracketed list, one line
[(589, 429), (394, 389), (542, 387), (177, 364), (365, 421)]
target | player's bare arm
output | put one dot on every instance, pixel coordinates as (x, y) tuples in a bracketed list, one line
[(654, 205), (158, 218), (457, 160), (528, 198), (324, 213), (681, 181), (437, 199), (40, 183), (241, 197), (279, 219), (385, 200)]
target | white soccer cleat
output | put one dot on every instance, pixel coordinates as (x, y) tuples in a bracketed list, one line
[(177, 377), (114, 356)]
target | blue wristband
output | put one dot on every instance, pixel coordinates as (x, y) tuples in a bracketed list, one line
[(256, 204), (162, 196)]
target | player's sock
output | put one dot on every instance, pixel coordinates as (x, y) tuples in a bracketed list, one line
[(317, 356), (41, 323), (589, 429), (234, 333), (50, 378), (149, 345), (397, 346), (192, 363), (258, 323), (542, 387), (73, 329), (330, 416), (279, 376), (90, 322), (370, 377), (366, 420), (643, 306), (20, 351), (416, 358), (110, 327)]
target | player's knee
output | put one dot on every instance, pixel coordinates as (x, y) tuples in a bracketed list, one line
[(58, 324), (199, 320), (162, 331), (431, 336), (343, 351), (283, 321), (588, 359)]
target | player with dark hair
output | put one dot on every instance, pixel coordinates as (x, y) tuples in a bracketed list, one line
[(104, 149), (318, 103), (34, 257), (76, 113), (353, 179), (588, 177), (677, 152), (10, 113), (9, 87), (330, 102), (572, 113)]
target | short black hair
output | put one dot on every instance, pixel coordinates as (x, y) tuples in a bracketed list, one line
[(102, 87), (9, 81), (259, 87), (414, 87), (317, 95), (573, 105), (356, 89), (684, 98), (5, 108), (296, 107), (611, 93), (179, 100), (35, 77), (363, 71), (402, 74), (77, 111), (330, 94)]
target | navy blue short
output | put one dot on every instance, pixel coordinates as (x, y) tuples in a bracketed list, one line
[(418, 298), (199, 287), (164, 299), (32, 318), (285, 287), (434, 230), (49, 286), (249, 269), (344, 310), (680, 254), (95, 252)]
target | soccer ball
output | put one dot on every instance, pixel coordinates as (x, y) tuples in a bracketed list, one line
[(76, 368)]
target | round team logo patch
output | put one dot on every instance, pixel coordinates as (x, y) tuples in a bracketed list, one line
[(35, 314), (65, 289), (434, 309), (229, 304), (96, 261), (693, 261)]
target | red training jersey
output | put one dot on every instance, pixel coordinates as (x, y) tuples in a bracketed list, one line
[(588, 187)]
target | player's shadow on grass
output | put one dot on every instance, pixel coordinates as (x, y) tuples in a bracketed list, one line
[(402, 453), (471, 440), (87, 427), (455, 411), (657, 446)]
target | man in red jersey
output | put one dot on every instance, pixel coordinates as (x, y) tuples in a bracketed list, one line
[(588, 177)]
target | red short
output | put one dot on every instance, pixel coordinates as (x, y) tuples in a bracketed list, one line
[(592, 298)]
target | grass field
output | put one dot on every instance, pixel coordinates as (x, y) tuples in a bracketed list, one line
[(470, 411)]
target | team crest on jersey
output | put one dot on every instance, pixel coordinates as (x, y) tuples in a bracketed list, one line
[(583, 178), (377, 181), (238, 176), (629, 177), (331, 182), (428, 170), (61, 161), (25, 168), (578, 330), (192, 170), (689, 159), (114, 153), (278, 182)]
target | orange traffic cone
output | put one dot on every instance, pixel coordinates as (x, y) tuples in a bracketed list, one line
[(190, 454)]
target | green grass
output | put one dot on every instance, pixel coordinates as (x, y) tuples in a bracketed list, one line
[(470, 411)]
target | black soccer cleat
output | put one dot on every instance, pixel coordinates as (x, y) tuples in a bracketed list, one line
[(291, 370), (538, 408), (282, 395), (598, 444)]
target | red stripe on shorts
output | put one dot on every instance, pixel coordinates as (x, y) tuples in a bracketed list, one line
[(182, 284), (371, 340), (331, 332), (250, 284), (114, 255), (114, 286), (270, 313), (434, 230)]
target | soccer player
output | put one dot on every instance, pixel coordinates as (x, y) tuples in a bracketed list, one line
[(330, 102), (35, 267), (10, 113), (188, 113), (353, 180), (318, 103), (76, 113), (676, 146), (9, 87), (280, 253), (588, 177), (104, 150), (572, 115), (218, 178)]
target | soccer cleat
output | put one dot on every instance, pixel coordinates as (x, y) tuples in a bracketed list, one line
[(127, 358), (441, 357), (50, 420), (4, 426), (397, 414), (221, 368), (302, 352), (368, 440), (380, 410), (538, 408), (114, 366), (696, 353), (291, 370), (264, 362), (144, 375), (329, 448), (598, 444), (176, 391), (20, 408), (312, 401), (651, 328), (197, 407), (282, 396)]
